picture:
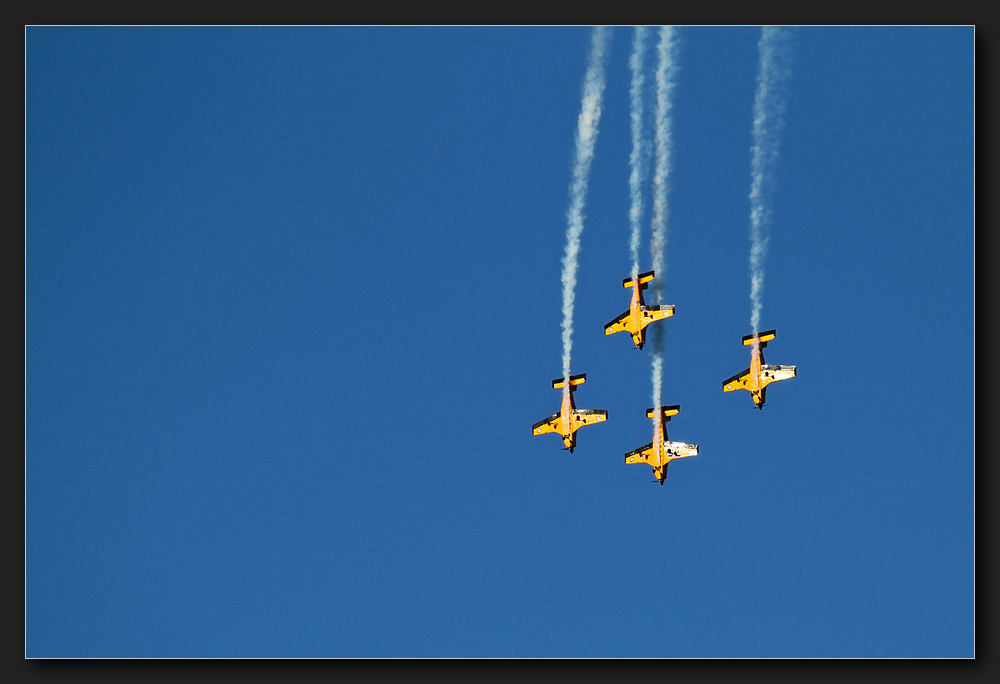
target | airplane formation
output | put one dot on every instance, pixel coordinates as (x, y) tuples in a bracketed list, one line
[(660, 452), (769, 107)]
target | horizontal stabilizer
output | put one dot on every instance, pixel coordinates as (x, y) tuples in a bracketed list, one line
[(667, 411), (573, 380), (643, 279), (765, 336)]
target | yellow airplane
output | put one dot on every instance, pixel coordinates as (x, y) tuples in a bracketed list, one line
[(665, 451), (757, 377), (638, 315), (570, 418)]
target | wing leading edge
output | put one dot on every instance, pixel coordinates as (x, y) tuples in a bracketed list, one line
[(583, 417), (738, 381), (617, 325), (550, 424)]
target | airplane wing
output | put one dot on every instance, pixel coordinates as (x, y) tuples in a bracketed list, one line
[(773, 373), (681, 449), (640, 455), (550, 424), (738, 381), (616, 325), (656, 313), (589, 416)]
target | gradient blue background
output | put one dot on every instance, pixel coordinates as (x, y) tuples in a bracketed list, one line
[(293, 304)]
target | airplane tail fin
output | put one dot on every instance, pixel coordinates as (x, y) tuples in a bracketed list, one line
[(643, 279), (763, 337), (574, 380), (666, 411)]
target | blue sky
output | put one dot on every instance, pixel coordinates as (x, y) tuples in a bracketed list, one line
[(293, 303)]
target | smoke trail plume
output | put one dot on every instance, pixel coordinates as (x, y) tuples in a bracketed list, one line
[(586, 136), (666, 75), (638, 160), (768, 120)]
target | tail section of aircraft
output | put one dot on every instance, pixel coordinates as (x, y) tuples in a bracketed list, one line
[(574, 380), (764, 338), (666, 411), (643, 279)]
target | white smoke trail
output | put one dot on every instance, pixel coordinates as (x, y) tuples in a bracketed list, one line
[(586, 136), (657, 386), (638, 160), (666, 75), (768, 120)]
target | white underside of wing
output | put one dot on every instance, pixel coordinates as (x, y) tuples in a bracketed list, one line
[(778, 372), (681, 449)]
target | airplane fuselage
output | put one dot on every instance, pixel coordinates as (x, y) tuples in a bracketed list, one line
[(566, 429), (756, 386), (635, 315)]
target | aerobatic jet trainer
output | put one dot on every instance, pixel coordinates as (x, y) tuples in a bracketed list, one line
[(638, 315), (660, 452), (570, 418), (757, 377)]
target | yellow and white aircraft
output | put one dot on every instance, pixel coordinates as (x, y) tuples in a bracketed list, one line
[(664, 451), (570, 418), (638, 315), (757, 377)]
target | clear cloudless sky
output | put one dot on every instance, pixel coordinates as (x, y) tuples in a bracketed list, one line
[(293, 303)]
